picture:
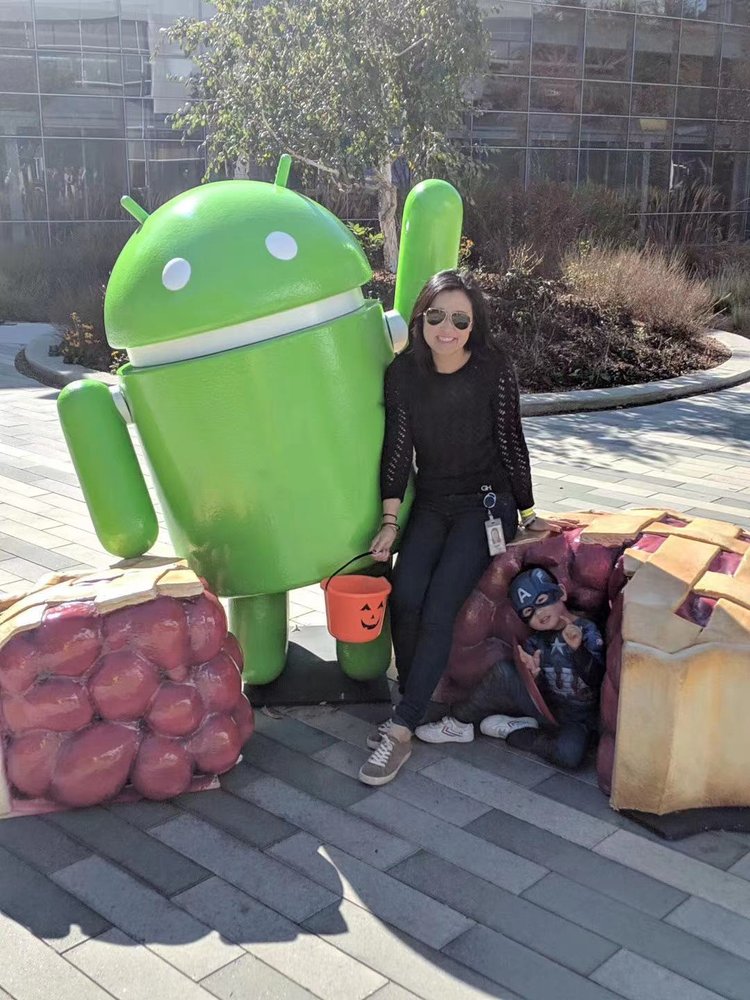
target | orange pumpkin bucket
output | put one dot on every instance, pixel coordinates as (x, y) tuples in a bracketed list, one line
[(355, 604)]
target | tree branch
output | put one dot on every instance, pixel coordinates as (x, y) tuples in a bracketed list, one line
[(298, 156), (408, 48)]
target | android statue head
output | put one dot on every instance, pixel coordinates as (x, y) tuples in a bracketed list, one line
[(227, 264)]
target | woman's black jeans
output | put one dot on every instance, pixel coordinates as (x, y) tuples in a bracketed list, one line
[(442, 557)]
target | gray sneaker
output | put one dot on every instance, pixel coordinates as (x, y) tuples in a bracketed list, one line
[(376, 735), (384, 763)]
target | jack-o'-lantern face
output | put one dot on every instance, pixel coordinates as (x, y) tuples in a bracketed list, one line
[(371, 616)]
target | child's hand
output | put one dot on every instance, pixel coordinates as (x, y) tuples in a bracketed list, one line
[(531, 663), (573, 635)]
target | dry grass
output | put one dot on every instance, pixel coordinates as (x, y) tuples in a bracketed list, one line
[(731, 291), (651, 285)]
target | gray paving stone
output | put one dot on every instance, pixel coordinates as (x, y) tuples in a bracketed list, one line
[(715, 924), (525, 804), (292, 734), (42, 845), (715, 848), (649, 937), (513, 916), (239, 818), (392, 992), (147, 917), (498, 866), (300, 771), (261, 876), (134, 850), (306, 959), (333, 826), (686, 874), (497, 758), (638, 979), (742, 867), (411, 786), (34, 553), (50, 913), (144, 814), (386, 897), (511, 964), (347, 727), (131, 972), (559, 855), (249, 978), (408, 963), (29, 970)]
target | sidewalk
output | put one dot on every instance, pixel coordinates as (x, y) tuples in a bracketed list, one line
[(479, 873)]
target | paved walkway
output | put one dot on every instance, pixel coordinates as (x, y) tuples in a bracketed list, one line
[(479, 873)]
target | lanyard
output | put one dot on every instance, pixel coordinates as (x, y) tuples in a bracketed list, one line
[(489, 501)]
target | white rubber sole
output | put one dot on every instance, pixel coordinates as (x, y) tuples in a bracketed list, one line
[(369, 779)]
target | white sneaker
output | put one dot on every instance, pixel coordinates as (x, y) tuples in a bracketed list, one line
[(501, 726), (448, 730)]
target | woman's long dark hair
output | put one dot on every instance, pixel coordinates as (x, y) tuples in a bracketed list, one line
[(480, 339)]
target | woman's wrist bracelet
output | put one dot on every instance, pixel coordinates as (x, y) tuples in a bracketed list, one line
[(528, 517), (395, 518), (390, 524)]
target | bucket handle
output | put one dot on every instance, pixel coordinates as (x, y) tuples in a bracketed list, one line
[(360, 556)]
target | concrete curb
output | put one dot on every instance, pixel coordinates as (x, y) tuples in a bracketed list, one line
[(734, 371), (53, 371)]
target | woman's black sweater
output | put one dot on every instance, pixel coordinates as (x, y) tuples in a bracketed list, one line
[(465, 428)]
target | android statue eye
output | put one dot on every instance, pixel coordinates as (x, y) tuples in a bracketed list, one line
[(282, 246), (176, 274)]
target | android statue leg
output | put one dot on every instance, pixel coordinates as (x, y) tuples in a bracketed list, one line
[(364, 661), (260, 624)]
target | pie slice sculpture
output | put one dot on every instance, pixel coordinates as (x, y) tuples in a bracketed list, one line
[(116, 685), (674, 593)]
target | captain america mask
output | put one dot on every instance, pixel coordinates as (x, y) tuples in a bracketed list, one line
[(533, 593)]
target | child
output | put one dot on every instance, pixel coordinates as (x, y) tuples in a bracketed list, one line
[(564, 655)]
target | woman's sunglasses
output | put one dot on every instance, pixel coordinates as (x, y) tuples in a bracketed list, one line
[(434, 317)]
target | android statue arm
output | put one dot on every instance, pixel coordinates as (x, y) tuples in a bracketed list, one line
[(93, 419)]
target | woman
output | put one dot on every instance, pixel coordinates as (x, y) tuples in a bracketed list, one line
[(452, 399)]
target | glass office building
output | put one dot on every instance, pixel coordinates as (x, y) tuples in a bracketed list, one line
[(645, 96), (85, 88), (650, 97)]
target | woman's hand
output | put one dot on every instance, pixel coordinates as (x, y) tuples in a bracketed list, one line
[(555, 526), (382, 543)]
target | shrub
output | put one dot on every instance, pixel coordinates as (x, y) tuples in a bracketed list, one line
[(653, 286), (731, 291), (371, 242), (547, 217)]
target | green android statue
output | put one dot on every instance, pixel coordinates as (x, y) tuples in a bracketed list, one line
[(254, 382)]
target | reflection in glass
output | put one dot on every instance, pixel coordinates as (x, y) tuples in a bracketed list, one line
[(510, 38), (141, 121), (734, 104), (693, 134), (650, 133), (707, 10), (553, 130), (735, 58), (606, 98), (602, 166), (84, 116), (16, 24), (172, 167), (19, 114), (21, 180), (557, 48), (504, 93), (732, 178), (504, 165), (700, 46), (650, 99), (136, 71), (733, 135), (85, 178), (90, 23), (77, 72), (604, 132), (559, 165), (736, 12), (656, 45), (17, 72), (555, 95), (648, 179), (500, 128), (609, 45), (696, 102), (667, 8)]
